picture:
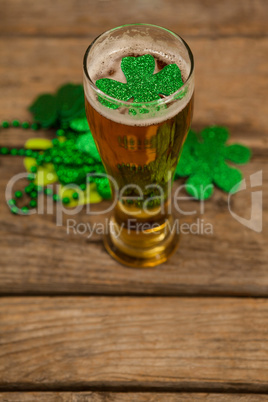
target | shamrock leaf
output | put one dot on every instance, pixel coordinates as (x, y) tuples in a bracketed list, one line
[(79, 124), (45, 110), (142, 84), (86, 143), (70, 102), (203, 160), (60, 109)]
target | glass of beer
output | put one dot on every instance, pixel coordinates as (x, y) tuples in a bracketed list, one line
[(139, 142)]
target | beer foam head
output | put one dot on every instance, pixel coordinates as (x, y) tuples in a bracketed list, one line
[(103, 60)]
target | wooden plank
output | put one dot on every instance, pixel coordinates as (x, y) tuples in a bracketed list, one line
[(90, 18), (222, 264), (231, 81), (53, 259), (127, 397), (134, 343)]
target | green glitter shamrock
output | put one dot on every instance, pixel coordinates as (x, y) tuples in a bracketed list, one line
[(203, 160), (142, 84), (64, 108)]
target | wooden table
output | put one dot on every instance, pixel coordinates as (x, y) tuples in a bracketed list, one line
[(74, 324)]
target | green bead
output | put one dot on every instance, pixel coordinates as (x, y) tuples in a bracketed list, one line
[(5, 124), (55, 141), (75, 196), (28, 152), (56, 197), (39, 189), (25, 210), (48, 191), (25, 125), (35, 126), (104, 189), (15, 123), (11, 202), (14, 210), (33, 203), (21, 152), (90, 179), (33, 169), (14, 151), (31, 177), (4, 151), (28, 189), (18, 194), (33, 194), (60, 132), (83, 187), (32, 186), (66, 200)]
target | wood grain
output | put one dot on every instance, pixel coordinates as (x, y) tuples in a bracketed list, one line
[(90, 18), (151, 348), (127, 397), (221, 264), (137, 343), (231, 81), (39, 257)]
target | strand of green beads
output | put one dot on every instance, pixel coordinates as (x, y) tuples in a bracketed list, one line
[(25, 125), (31, 189)]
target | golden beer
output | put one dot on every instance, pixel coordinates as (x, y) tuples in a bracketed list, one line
[(139, 143)]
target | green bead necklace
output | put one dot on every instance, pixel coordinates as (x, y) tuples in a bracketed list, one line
[(74, 156), (71, 165)]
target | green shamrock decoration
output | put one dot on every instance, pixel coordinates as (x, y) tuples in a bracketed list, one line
[(72, 163), (64, 108), (142, 84), (86, 143), (74, 153), (203, 160)]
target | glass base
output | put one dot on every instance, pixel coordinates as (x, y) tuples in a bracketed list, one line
[(141, 249)]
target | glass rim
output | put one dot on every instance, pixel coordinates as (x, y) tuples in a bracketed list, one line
[(160, 101)]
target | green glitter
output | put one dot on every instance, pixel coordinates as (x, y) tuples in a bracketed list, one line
[(142, 84), (103, 188), (75, 154), (204, 161)]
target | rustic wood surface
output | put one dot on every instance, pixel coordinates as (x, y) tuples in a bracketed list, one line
[(55, 261), (129, 343), (127, 397), (91, 324), (90, 17), (231, 78)]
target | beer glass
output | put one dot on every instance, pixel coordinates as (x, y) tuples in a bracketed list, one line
[(139, 142)]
